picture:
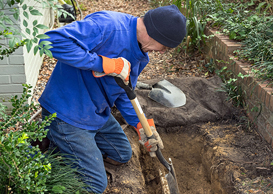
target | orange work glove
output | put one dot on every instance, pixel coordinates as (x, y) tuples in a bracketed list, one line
[(119, 67), (150, 144)]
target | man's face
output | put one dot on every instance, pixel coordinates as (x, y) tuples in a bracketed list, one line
[(153, 45)]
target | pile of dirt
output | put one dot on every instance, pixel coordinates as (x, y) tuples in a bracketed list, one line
[(211, 153)]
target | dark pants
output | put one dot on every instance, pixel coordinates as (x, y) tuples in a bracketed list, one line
[(88, 146)]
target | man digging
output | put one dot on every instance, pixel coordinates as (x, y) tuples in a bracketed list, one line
[(82, 88)]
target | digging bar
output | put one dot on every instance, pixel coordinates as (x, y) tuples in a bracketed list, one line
[(170, 177)]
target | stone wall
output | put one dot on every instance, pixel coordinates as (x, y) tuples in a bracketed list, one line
[(259, 95)]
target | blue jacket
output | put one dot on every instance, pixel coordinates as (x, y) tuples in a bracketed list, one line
[(72, 91)]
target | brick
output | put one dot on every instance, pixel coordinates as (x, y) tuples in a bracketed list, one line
[(18, 51), (271, 103), (261, 121), (265, 112), (231, 47), (268, 94), (11, 69), (3, 41), (221, 37), (11, 88), (4, 61), (266, 135), (270, 119), (18, 79), (4, 79), (16, 59), (6, 97), (262, 97), (269, 128), (255, 87), (251, 82), (235, 69), (260, 89)]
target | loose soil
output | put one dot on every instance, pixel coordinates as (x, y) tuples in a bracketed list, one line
[(211, 144)]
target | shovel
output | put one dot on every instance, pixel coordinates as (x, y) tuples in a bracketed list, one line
[(165, 93), (170, 177)]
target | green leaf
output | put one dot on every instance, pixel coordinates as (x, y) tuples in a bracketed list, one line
[(42, 36), (1, 5), (35, 22), (28, 31), (30, 8), (260, 5), (26, 14), (29, 45), (2, 138), (24, 7), (12, 42), (58, 189), (25, 23), (48, 47), (41, 52), (41, 26), (35, 40), (16, 15), (36, 48), (44, 43), (232, 35), (48, 53), (36, 30), (9, 3), (35, 12)]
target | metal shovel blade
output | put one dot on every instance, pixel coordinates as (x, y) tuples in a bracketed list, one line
[(167, 94), (171, 176)]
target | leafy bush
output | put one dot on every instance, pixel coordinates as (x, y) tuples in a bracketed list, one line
[(24, 168)]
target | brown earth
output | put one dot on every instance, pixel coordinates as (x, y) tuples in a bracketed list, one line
[(212, 147)]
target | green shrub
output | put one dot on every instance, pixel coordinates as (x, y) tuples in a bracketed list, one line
[(24, 168)]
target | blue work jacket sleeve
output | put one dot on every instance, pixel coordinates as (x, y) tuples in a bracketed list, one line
[(75, 44), (126, 109)]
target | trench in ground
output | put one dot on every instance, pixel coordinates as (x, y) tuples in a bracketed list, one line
[(192, 158), (209, 158), (212, 151)]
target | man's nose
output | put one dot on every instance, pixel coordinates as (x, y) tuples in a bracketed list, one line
[(163, 51)]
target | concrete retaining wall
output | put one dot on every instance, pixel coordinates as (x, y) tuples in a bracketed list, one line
[(259, 95)]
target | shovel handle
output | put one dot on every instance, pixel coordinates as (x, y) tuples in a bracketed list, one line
[(142, 117), (147, 129), (132, 97)]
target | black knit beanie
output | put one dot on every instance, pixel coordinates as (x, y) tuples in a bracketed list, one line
[(167, 25)]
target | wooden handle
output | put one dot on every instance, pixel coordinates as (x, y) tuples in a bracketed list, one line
[(142, 117)]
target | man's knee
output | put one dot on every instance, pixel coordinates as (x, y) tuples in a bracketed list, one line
[(126, 157), (97, 186), (118, 160)]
